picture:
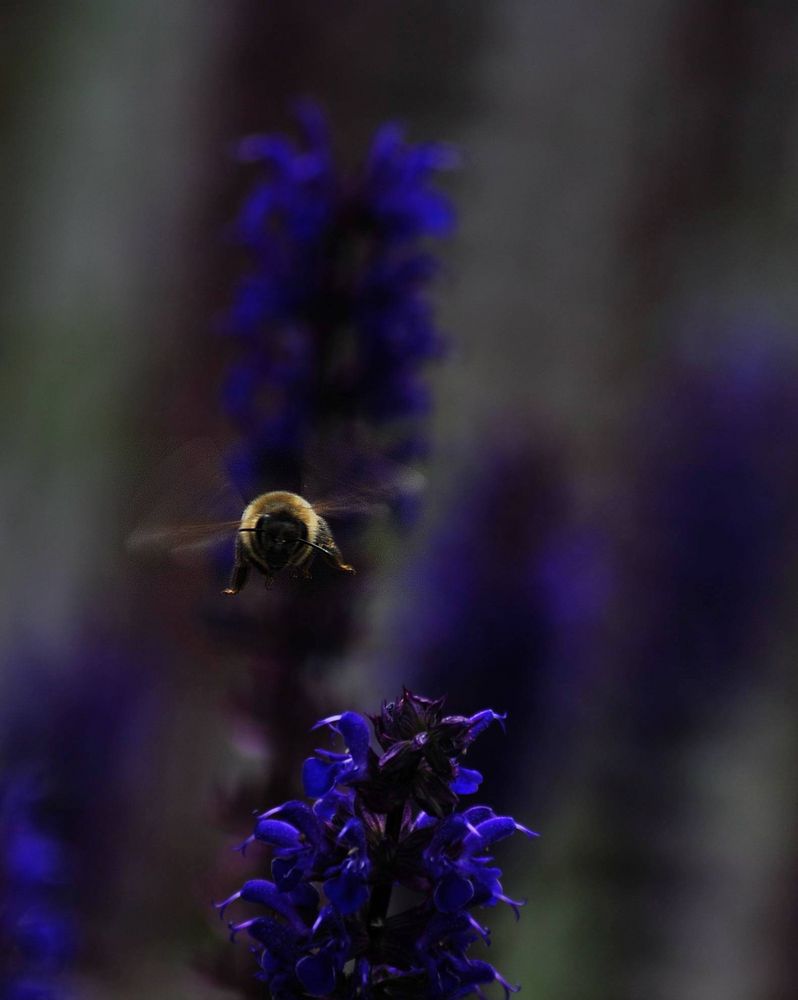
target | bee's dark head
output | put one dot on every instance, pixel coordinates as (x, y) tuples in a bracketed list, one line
[(278, 537)]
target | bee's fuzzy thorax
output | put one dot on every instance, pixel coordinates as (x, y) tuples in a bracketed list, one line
[(281, 501)]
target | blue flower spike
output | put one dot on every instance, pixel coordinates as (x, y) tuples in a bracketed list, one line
[(386, 814), (337, 267)]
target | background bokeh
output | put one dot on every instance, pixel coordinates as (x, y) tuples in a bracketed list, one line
[(607, 548)]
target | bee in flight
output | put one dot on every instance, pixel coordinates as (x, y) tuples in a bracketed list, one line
[(281, 530), (278, 530)]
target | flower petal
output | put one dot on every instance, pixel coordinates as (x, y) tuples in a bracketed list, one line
[(452, 893), (277, 833), (287, 873), (355, 731), (318, 777), (317, 974), (259, 890), (300, 815), (347, 892), (466, 782), (480, 722)]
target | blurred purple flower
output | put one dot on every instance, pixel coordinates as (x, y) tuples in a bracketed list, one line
[(505, 602), (704, 550), (37, 929), (709, 533), (67, 741), (380, 820), (331, 318)]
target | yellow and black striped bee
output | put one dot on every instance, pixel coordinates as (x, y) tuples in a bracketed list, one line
[(281, 530)]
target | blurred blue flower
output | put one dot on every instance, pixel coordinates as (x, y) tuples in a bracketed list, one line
[(37, 932), (375, 825), (506, 601), (709, 534), (704, 548), (331, 317)]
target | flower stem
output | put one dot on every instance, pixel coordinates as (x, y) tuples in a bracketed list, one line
[(381, 893)]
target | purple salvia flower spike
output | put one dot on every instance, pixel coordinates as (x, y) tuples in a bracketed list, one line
[(366, 833)]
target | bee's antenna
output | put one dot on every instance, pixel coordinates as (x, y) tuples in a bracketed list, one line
[(313, 545)]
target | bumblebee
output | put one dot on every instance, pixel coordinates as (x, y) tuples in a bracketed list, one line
[(281, 530), (278, 530)]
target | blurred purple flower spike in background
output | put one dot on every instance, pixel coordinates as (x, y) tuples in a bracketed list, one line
[(331, 316), (712, 532), (37, 928), (505, 602), (382, 819), (704, 545), (69, 735)]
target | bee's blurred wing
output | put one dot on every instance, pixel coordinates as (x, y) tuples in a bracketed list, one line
[(374, 499), (186, 505), (347, 472), (344, 503), (181, 539)]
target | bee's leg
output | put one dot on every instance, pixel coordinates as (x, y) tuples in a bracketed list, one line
[(237, 578), (240, 572), (332, 554), (334, 558)]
